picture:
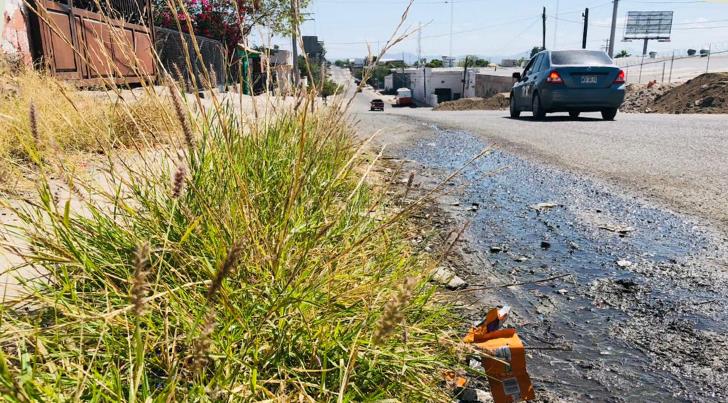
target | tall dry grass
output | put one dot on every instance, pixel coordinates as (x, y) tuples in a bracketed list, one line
[(70, 121)]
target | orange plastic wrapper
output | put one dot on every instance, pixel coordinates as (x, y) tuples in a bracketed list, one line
[(494, 320)]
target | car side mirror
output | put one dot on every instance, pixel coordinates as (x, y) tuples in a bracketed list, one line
[(517, 76)]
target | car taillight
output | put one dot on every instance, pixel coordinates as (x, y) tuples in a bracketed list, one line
[(554, 78), (620, 77)]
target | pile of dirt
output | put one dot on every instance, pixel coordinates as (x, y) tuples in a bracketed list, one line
[(496, 102), (639, 98), (706, 93)]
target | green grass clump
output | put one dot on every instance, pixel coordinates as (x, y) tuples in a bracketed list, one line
[(247, 269)]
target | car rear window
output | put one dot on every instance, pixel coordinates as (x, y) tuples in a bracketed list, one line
[(584, 57)]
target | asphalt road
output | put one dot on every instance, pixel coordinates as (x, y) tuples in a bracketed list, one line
[(640, 315), (680, 161)]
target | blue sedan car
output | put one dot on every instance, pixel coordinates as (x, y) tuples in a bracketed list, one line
[(571, 81)]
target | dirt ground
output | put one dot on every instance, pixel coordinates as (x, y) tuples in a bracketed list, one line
[(707, 93), (496, 102)]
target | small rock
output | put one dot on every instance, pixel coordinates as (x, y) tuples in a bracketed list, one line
[(624, 263), (448, 279), (470, 395), (520, 258), (562, 291), (545, 244), (543, 206), (496, 249)]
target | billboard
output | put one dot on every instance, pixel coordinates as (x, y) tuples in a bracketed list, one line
[(648, 25)]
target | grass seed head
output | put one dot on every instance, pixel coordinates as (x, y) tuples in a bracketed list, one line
[(140, 285), (181, 116), (225, 270), (394, 311), (180, 78), (203, 343), (213, 76), (178, 183), (411, 179), (34, 124)]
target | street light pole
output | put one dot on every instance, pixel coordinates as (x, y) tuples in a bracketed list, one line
[(452, 19), (614, 28), (586, 28)]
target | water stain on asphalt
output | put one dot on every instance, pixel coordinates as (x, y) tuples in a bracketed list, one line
[(642, 314)]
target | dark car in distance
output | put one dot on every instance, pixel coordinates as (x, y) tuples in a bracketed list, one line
[(376, 105), (571, 81)]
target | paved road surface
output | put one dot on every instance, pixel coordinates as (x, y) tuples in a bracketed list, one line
[(678, 160), (641, 314)]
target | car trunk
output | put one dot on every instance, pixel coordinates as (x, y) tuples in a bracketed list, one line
[(587, 76)]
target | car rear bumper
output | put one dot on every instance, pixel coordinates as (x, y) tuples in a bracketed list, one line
[(585, 100)]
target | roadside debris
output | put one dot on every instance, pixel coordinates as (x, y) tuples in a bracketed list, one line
[(543, 206), (624, 263), (620, 229), (639, 98), (448, 279), (504, 360), (705, 93), (496, 102)]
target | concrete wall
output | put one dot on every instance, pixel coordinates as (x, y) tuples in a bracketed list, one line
[(487, 85), (14, 38), (450, 78)]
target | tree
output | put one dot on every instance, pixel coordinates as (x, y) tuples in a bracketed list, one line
[(341, 63), (474, 61), (229, 21), (535, 50), (434, 63), (329, 88), (314, 74), (622, 53)]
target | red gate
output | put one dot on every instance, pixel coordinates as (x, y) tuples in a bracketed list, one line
[(116, 45)]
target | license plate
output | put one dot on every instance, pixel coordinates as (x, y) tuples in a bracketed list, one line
[(588, 79)]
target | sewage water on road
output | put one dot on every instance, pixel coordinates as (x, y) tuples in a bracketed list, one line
[(642, 314)]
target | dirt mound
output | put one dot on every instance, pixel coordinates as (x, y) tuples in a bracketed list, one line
[(496, 102), (706, 93), (641, 97)]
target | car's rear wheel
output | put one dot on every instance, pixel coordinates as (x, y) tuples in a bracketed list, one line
[(515, 113), (538, 112), (609, 114), (574, 114)]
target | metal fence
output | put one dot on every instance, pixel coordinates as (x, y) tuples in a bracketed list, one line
[(170, 46), (677, 66), (132, 11)]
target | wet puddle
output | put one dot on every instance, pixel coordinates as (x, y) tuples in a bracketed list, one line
[(641, 315)]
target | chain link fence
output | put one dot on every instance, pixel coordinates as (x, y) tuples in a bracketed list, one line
[(170, 46), (677, 66)]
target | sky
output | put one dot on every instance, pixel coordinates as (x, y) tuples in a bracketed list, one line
[(499, 28)]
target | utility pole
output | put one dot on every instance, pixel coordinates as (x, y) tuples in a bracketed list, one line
[(465, 75), (452, 19), (294, 43), (614, 28), (419, 44), (543, 17), (586, 28), (556, 23)]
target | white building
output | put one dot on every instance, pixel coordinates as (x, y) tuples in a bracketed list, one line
[(435, 85)]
